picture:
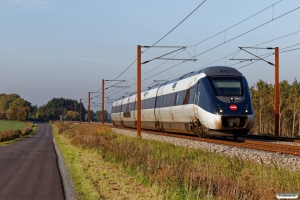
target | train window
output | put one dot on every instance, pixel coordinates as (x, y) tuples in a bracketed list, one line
[(180, 97), (127, 107), (132, 107), (172, 96), (187, 97), (192, 94), (146, 104), (160, 102), (166, 100), (227, 86)]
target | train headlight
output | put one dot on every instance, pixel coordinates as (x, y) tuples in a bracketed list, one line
[(221, 110), (246, 110)]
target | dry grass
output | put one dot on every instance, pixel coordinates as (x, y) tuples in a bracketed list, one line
[(95, 178), (183, 173)]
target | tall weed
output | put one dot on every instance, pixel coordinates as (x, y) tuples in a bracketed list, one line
[(182, 172)]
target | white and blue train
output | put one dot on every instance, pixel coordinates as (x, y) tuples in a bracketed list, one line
[(214, 101)]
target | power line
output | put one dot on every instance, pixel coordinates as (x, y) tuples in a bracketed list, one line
[(290, 50), (272, 54), (227, 42), (267, 55), (235, 24), (162, 38), (179, 23)]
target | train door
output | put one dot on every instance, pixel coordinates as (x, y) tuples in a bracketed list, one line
[(172, 103), (196, 99), (132, 109), (158, 103)]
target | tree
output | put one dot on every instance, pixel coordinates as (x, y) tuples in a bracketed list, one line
[(56, 106), (261, 94), (98, 116), (13, 107), (293, 102)]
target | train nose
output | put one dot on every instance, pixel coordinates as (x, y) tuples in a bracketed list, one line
[(234, 122)]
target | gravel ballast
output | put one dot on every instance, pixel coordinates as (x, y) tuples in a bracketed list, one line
[(68, 185), (283, 161)]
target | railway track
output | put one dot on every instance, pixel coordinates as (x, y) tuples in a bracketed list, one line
[(259, 145), (285, 139)]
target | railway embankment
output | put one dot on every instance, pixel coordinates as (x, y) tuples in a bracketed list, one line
[(279, 160), (170, 168)]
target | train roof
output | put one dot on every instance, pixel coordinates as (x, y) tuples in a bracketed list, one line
[(220, 71), (209, 71)]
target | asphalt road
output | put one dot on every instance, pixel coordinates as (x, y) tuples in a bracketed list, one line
[(28, 168)]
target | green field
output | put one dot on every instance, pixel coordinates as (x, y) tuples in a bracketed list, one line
[(11, 125)]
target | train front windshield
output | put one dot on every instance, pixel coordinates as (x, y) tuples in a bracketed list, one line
[(227, 86)]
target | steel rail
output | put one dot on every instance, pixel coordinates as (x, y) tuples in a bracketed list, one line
[(278, 138)]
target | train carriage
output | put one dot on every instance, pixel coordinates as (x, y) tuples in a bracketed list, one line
[(214, 101), (128, 114), (116, 116)]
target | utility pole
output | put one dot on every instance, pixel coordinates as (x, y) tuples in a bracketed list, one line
[(62, 111), (89, 108), (276, 91), (71, 113), (75, 110), (102, 101), (80, 112), (139, 76), (138, 92), (276, 65)]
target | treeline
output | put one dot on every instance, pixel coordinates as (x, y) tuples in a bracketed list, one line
[(57, 108), (97, 116), (13, 107), (67, 109), (262, 95)]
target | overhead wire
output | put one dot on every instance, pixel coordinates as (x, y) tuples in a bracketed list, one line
[(267, 55), (222, 32), (236, 24), (227, 42), (270, 54), (161, 39)]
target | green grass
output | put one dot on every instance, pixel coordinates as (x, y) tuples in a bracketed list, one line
[(94, 178), (21, 137), (183, 173), (11, 125)]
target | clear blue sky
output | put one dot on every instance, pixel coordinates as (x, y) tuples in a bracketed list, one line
[(65, 48)]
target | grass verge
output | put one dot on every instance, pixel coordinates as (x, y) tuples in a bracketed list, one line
[(11, 125), (179, 172), (21, 136), (95, 178)]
